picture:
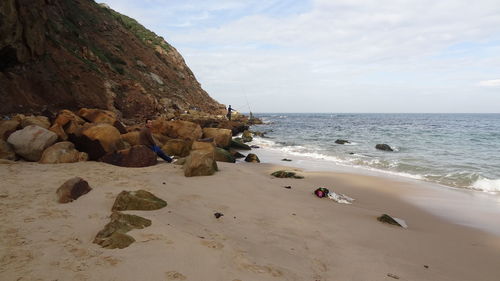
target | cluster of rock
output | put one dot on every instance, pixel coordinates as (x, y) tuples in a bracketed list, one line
[(380, 146), (99, 135)]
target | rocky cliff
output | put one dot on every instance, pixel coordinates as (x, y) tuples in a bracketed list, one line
[(70, 54)]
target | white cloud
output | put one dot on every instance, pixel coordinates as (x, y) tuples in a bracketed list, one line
[(490, 83), (346, 56)]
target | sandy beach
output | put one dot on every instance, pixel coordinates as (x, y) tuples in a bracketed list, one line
[(267, 232)]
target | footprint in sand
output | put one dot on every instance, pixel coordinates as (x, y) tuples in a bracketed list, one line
[(174, 275), (212, 244)]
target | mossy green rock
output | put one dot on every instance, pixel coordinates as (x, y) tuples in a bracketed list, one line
[(238, 143), (114, 233), (246, 136), (137, 200), (286, 174), (252, 158), (222, 155)]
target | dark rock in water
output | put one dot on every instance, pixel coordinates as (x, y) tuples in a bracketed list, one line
[(114, 233), (285, 159), (236, 154), (137, 200), (285, 174), (287, 187), (218, 215), (252, 158), (254, 146), (72, 189), (223, 155), (385, 218), (237, 143), (340, 141), (259, 134), (246, 136), (351, 153), (384, 147), (136, 156)]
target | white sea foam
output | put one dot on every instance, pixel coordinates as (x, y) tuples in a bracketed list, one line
[(309, 153), (483, 184)]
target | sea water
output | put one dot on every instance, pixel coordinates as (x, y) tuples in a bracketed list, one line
[(455, 150)]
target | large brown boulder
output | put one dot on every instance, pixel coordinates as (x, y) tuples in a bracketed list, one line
[(6, 151), (200, 163), (41, 121), (137, 200), (114, 233), (31, 141), (72, 189), (222, 137), (62, 152), (98, 115), (65, 116), (59, 131), (106, 134), (203, 145), (136, 156), (177, 147), (7, 127), (177, 129), (132, 138)]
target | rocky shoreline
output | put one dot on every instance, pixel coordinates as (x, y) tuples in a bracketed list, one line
[(196, 139)]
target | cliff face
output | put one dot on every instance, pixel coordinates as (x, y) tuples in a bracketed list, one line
[(70, 54)]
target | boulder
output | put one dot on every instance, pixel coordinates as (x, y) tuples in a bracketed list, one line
[(40, 121), (107, 135), (237, 143), (177, 129), (114, 233), (286, 174), (246, 136), (252, 158), (59, 131), (62, 152), (65, 116), (31, 141), (222, 155), (72, 189), (137, 200), (177, 147), (203, 145), (98, 115), (6, 151), (93, 148), (222, 137), (7, 127), (136, 156), (132, 138), (340, 141), (384, 147), (200, 163)]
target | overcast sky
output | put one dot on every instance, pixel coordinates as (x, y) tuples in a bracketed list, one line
[(335, 55)]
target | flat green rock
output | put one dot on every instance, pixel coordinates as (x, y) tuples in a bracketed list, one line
[(137, 200)]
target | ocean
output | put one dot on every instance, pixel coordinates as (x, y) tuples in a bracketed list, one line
[(455, 150)]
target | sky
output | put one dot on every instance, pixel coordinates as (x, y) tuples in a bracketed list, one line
[(387, 56)]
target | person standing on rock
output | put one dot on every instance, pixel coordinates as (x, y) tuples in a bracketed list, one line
[(229, 109), (146, 138)]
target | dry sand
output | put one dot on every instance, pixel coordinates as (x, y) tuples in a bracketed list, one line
[(267, 232)]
